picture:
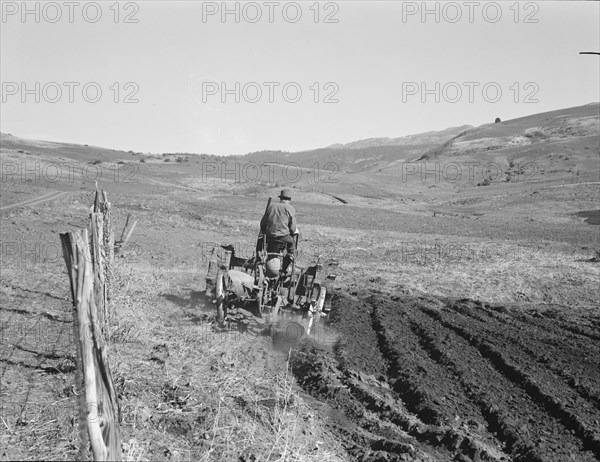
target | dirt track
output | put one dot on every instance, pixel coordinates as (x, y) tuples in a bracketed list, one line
[(51, 196), (426, 379)]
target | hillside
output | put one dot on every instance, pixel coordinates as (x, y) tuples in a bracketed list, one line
[(441, 278), (562, 125), (363, 155), (551, 148), (68, 150), (427, 138)]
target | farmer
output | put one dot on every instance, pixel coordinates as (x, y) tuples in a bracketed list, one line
[(279, 225)]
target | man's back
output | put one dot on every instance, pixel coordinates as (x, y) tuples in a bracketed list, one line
[(279, 220)]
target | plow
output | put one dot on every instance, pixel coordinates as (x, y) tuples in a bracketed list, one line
[(301, 295)]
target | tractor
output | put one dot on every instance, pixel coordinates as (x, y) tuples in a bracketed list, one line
[(302, 294)]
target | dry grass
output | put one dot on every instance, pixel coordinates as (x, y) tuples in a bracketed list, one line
[(500, 271), (192, 392)]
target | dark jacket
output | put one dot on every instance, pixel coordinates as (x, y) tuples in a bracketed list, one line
[(278, 220)]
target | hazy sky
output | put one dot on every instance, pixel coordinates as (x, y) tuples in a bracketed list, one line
[(181, 58)]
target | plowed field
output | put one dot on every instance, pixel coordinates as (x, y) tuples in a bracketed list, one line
[(433, 379)]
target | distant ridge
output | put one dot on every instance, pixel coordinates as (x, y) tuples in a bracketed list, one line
[(419, 138), (519, 135)]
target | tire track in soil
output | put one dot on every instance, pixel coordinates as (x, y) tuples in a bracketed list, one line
[(51, 196), (384, 424), (418, 379), (579, 331), (563, 354), (522, 420), (551, 346), (538, 384), (562, 357), (550, 322), (503, 376), (365, 433), (364, 409), (560, 327), (429, 390), (428, 380)]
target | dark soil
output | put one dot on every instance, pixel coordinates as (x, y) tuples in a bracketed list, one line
[(431, 379), (592, 217)]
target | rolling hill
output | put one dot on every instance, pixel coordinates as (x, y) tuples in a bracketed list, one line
[(550, 148)]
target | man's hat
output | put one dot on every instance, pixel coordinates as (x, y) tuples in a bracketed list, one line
[(285, 194)]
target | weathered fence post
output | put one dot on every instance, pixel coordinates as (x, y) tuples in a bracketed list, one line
[(127, 231), (99, 413), (102, 252), (70, 254)]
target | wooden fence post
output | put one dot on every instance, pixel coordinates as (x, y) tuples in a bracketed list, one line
[(102, 252), (100, 411), (97, 256), (126, 234), (69, 254)]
